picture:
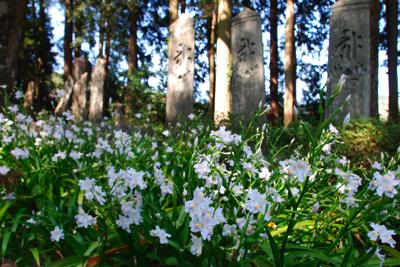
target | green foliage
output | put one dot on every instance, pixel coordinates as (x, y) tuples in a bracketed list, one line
[(365, 139), (318, 206)]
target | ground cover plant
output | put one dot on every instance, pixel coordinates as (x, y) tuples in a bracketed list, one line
[(84, 194)]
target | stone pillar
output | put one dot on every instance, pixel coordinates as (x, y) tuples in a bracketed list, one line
[(350, 54), (96, 105), (79, 92), (248, 85), (180, 69)]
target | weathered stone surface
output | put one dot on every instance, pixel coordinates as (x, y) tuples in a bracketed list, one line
[(65, 100), (248, 86), (79, 98), (29, 97), (350, 54), (96, 106), (180, 69)]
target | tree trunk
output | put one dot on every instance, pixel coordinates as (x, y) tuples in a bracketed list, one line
[(391, 24), (182, 3), (132, 58), (78, 24), (101, 35), (173, 11), (12, 17), (374, 22), (212, 26), (68, 39), (273, 63), (107, 52), (223, 94), (290, 66)]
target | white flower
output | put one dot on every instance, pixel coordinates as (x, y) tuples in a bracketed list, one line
[(202, 168), (18, 95), (9, 197), (59, 155), (167, 188), (226, 136), (346, 120), (84, 220), (342, 80), (315, 208), (4, 170), (203, 217), (351, 182), (264, 173), (57, 234), (376, 165), (380, 231), (19, 153), (229, 229), (161, 234), (296, 168), (380, 256), (75, 155), (166, 133), (333, 130), (191, 116), (255, 202), (197, 246), (295, 191), (385, 184), (91, 190)]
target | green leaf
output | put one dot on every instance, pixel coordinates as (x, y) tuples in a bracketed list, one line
[(72, 261), (387, 262), (172, 261), (6, 238), (300, 251), (4, 209), (91, 248), (274, 249), (393, 252), (35, 254)]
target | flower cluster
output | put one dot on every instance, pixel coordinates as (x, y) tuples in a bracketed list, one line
[(203, 217)]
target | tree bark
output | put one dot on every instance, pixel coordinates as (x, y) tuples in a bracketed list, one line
[(173, 11), (212, 26), (391, 24), (223, 94), (290, 66), (78, 24), (68, 39), (273, 63), (107, 54), (182, 3), (101, 35), (132, 58), (12, 17), (374, 22)]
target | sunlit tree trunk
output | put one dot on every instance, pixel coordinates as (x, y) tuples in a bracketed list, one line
[(273, 63), (212, 26), (374, 22), (391, 24), (173, 11), (223, 94), (290, 65), (68, 31)]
